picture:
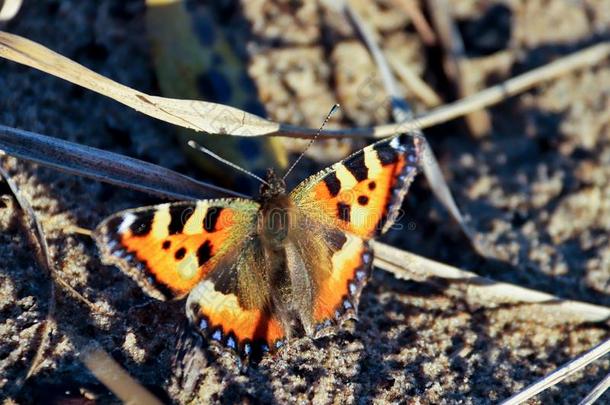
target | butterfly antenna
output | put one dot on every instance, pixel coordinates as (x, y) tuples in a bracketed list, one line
[(330, 113), (205, 150)]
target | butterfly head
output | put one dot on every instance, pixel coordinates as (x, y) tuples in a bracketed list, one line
[(274, 186)]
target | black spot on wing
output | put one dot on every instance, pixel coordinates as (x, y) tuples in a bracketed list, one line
[(179, 215), (363, 200), (333, 184), (141, 226), (204, 253), (180, 253), (387, 154), (357, 167), (166, 244), (372, 185), (344, 211)]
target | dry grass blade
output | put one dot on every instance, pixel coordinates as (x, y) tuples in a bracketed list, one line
[(104, 166), (9, 9), (561, 373), (597, 391), (198, 115), (237, 122), (481, 290), (117, 380), (590, 56)]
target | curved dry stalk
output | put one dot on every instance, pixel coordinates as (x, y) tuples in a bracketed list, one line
[(198, 115), (478, 121), (216, 118), (597, 391), (412, 9), (481, 290), (37, 232), (105, 166), (9, 9), (402, 112), (115, 378), (560, 374)]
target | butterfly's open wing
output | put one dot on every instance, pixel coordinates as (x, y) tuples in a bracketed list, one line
[(358, 198), (233, 306), (363, 193), (167, 249), (208, 249)]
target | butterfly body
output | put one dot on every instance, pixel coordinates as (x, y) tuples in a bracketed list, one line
[(260, 272)]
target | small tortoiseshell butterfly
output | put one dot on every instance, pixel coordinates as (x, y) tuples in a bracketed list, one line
[(259, 272)]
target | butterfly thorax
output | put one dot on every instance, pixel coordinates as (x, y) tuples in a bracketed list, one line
[(275, 213)]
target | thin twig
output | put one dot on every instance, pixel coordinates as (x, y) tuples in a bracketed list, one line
[(477, 289), (44, 258), (41, 240), (478, 121), (115, 378), (597, 391), (411, 8), (414, 83), (590, 56), (561, 373)]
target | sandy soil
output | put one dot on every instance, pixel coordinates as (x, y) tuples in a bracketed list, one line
[(537, 187)]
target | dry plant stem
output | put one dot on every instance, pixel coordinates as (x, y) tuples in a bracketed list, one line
[(560, 374), (105, 166), (597, 391), (9, 9), (20, 52), (590, 56), (411, 8), (482, 290), (414, 83), (117, 380), (35, 229), (478, 121), (39, 236), (401, 113), (198, 115)]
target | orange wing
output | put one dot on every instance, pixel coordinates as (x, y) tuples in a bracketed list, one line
[(363, 193), (337, 298), (167, 249), (223, 319), (358, 198)]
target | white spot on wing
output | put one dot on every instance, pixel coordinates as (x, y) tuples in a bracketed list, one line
[(128, 219)]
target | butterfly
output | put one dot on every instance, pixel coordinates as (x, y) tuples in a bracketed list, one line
[(259, 272)]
